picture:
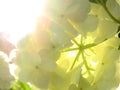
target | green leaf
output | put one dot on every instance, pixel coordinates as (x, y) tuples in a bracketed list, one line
[(21, 86)]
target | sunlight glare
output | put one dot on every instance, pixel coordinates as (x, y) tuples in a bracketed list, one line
[(118, 87), (18, 17)]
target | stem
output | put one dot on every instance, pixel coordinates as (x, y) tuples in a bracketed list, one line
[(70, 49), (76, 58), (81, 41), (89, 46), (109, 13), (85, 62), (75, 42)]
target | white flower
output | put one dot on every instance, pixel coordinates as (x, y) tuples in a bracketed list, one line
[(29, 69)]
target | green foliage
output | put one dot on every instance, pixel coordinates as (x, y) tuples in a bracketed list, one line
[(18, 85)]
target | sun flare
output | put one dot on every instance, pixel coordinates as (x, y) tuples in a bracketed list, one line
[(18, 17)]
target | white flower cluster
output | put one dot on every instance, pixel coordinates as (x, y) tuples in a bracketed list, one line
[(36, 60), (106, 74), (88, 26)]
